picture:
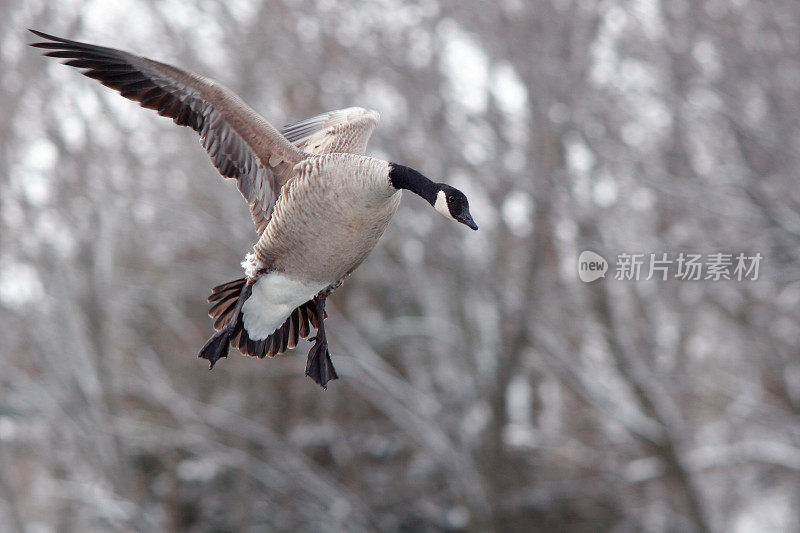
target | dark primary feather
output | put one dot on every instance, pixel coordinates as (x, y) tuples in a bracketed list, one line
[(188, 99)]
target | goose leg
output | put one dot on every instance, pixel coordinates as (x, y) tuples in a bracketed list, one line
[(319, 366)]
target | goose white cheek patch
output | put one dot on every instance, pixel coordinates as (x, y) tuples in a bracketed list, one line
[(441, 205)]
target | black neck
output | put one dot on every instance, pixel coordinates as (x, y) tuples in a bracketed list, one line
[(402, 177)]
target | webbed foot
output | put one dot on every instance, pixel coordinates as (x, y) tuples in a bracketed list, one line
[(319, 366), (216, 347)]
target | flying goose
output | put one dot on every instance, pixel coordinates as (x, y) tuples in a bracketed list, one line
[(318, 203)]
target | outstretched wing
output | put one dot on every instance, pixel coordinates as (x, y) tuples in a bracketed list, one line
[(241, 143), (346, 130)]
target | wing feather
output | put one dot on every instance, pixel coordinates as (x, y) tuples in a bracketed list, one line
[(345, 130), (241, 144)]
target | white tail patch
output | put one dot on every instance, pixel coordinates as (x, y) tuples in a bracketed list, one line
[(275, 295)]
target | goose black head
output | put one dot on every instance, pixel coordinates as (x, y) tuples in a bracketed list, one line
[(453, 204), (447, 200)]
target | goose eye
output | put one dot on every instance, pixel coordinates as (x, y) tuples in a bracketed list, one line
[(452, 199)]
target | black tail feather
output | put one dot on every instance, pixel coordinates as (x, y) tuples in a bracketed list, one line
[(236, 284), (226, 297)]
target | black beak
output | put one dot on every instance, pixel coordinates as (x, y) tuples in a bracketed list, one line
[(466, 219)]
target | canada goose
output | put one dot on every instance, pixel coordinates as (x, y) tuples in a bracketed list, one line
[(319, 205)]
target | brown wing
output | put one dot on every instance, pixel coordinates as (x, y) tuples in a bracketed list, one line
[(346, 130), (241, 144)]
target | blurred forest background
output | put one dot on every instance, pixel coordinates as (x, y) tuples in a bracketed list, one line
[(484, 387)]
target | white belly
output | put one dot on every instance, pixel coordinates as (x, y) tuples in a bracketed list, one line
[(274, 297)]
